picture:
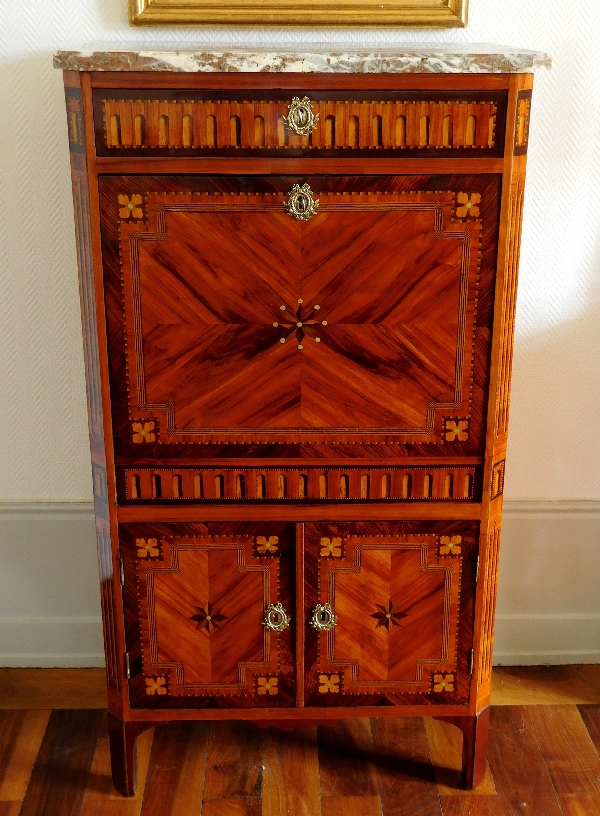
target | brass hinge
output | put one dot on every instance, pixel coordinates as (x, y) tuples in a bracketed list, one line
[(127, 666), (121, 571), (477, 571), (471, 661)]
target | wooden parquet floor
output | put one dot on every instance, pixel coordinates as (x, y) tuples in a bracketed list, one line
[(543, 759)]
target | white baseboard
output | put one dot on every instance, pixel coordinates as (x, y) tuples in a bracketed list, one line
[(548, 603)]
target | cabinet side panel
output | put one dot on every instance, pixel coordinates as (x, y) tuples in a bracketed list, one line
[(501, 371), (83, 232)]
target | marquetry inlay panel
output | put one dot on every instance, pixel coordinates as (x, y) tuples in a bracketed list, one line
[(397, 600), (201, 599), (395, 367), (158, 122)]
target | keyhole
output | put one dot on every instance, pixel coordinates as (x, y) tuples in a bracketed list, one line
[(301, 117), (276, 619), (301, 203), (323, 617)]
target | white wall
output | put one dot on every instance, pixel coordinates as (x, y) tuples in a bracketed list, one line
[(554, 447)]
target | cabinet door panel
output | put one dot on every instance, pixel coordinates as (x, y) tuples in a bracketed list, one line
[(402, 595), (196, 597), (232, 322)]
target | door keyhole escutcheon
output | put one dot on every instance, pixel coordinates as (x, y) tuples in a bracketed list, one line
[(322, 618), (276, 618), (300, 118)]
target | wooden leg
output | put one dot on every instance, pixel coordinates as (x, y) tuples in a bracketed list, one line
[(123, 758), (474, 754)]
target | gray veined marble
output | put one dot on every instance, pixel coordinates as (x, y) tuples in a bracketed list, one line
[(416, 59)]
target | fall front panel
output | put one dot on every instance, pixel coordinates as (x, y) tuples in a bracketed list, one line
[(246, 326), (390, 611), (207, 614)]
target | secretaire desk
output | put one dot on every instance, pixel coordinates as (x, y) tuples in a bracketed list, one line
[(298, 281)]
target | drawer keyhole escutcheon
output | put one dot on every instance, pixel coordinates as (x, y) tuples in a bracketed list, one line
[(300, 118), (276, 618), (323, 618), (301, 204)]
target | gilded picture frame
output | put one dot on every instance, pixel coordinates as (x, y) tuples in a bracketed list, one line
[(330, 13)]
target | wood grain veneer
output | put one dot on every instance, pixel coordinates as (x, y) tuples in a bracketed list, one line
[(297, 411)]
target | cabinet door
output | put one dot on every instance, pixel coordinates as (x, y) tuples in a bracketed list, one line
[(389, 610), (203, 625), (232, 323)]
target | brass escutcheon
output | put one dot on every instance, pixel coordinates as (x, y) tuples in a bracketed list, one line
[(276, 618), (323, 618), (301, 204), (300, 118)]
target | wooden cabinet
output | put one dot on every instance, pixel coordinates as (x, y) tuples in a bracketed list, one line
[(298, 351)]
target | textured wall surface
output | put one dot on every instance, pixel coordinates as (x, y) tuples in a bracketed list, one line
[(554, 448)]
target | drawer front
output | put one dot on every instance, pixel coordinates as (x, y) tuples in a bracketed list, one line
[(197, 600), (236, 330), (174, 123), (400, 627)]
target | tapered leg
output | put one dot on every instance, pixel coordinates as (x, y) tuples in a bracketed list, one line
[(123, 758), (474, 754)]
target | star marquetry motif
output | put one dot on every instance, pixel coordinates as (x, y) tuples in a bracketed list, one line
[(388, 616), (207, 618), (298, 325)]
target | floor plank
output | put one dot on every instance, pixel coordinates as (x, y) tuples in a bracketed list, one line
[(346, 765), (60, 774), (100, 798), (472, 806), (569, 754), (518, 768), (10, 808), (291, 773), (21, 734), (175, 780), (233, 763), (545, 685), (240, 806), (591, 719), (351, 806), (52, 688), (406, 777), (580, 804), (445, 745)]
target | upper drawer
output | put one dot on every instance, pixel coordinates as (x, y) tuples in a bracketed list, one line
[(386, 123)]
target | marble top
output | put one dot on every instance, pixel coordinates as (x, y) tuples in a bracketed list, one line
[(410, 59)]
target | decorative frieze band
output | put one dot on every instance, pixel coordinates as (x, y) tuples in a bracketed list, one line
[(205, 124), (354, 483)]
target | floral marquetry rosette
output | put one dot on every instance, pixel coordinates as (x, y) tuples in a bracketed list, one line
[(266, 545), (130, 206), (329, 684), (443, 682), (456, 430), (267, 685), (147, 548), (143, 431), (467, 205), (450, 545), (331, 546), (156, 685)]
